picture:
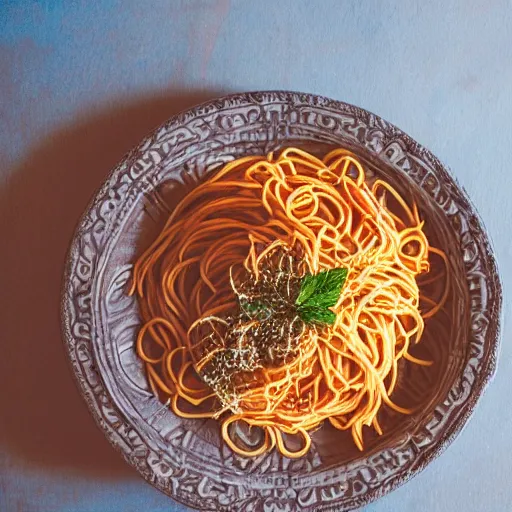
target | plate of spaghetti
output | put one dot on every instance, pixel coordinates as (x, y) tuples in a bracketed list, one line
[(278, 301)]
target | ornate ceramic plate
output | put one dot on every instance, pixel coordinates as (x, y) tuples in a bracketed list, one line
[(186, 459)]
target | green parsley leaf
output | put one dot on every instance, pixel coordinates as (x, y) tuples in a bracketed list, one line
[(317, 316), (318, 293)]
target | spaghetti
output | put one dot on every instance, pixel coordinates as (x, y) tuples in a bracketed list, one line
[(218, 287)]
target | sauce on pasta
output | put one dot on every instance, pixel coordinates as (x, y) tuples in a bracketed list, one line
[(274, 219)]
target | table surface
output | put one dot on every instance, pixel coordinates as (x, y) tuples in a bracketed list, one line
[(82, 82)]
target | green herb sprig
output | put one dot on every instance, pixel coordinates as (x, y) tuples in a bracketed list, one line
[(266, 330), (318, 293)]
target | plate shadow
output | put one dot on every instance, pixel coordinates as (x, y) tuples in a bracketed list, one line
[(43, 419)]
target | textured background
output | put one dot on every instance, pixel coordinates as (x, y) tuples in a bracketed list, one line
[(82, 82)]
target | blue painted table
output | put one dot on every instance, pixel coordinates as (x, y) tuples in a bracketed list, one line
[(81, 82)]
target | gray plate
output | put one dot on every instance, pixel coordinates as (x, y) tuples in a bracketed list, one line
[(186, 459)]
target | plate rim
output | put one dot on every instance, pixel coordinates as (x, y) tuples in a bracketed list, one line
[(493, 338)]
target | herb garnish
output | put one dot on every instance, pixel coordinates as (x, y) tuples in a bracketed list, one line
[(318, 293), (268, 326)]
